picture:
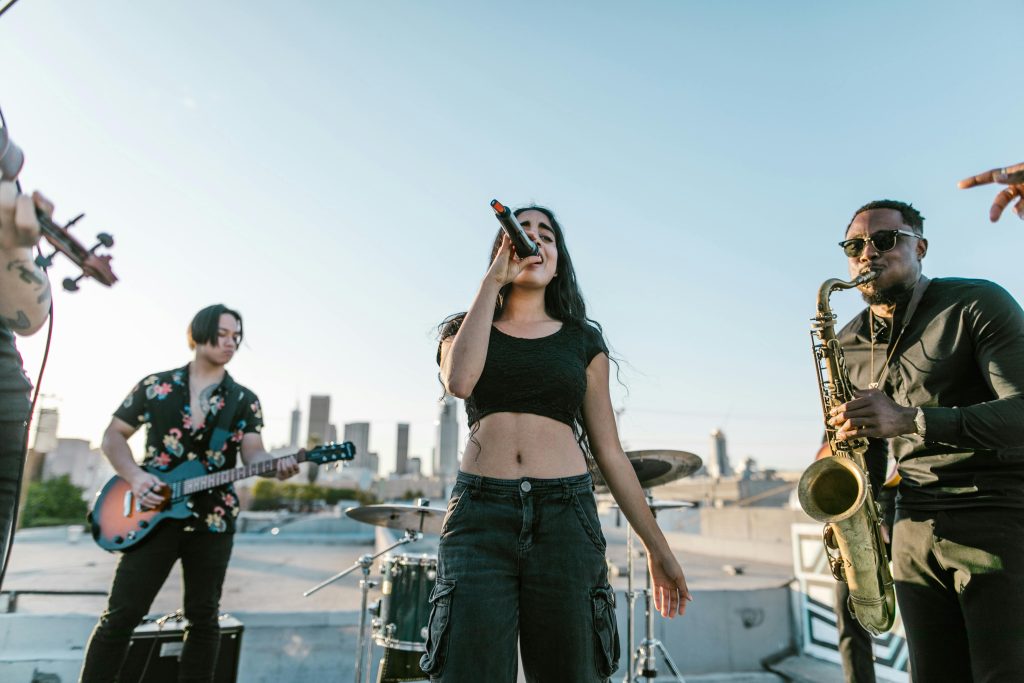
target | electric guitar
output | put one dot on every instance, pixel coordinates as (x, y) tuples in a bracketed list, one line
[(119, 522)]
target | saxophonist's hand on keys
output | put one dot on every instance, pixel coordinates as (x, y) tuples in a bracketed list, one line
[(872, 414), (1012, 176)]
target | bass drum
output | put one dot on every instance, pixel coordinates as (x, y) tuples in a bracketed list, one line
[(405, 602)]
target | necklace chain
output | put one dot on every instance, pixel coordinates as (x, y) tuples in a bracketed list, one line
[(885, 370)]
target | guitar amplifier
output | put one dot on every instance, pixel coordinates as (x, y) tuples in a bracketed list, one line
[(156, 648)]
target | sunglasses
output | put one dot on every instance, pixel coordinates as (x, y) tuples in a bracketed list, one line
[(883, 240)]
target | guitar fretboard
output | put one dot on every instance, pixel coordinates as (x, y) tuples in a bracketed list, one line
[(196, 484)]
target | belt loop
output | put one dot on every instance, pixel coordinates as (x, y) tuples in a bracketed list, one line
[(566, 491), (477, 483)]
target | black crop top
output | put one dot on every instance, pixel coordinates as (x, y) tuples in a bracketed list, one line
[(545, 376)]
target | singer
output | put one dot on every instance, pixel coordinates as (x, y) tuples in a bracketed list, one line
[(522, 553)]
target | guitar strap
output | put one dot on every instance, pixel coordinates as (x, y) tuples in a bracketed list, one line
[(222, 430)]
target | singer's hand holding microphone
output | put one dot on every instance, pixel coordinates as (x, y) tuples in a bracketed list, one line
[(517, 252)]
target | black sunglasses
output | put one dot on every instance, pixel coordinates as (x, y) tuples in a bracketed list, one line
[(883, 240)]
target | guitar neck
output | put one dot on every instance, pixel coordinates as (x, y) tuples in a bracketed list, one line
[(215, 479)]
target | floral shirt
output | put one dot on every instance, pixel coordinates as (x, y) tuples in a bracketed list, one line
[(162, 403)]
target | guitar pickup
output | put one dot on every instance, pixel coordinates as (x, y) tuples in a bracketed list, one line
[(128, 503)]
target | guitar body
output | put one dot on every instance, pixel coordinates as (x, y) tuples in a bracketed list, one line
[(118, 524)]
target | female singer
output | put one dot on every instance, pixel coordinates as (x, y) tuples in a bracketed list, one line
[(521, 551)]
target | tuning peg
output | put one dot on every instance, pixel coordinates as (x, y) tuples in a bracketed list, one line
[(104, 239), (74, 220), (45, 262), (71, 284)]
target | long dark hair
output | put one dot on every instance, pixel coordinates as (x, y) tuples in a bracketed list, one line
[(562, 301)]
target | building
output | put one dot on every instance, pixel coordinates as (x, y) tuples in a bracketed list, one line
[(319, 420), (293, 438), (402, 449), (359, 434), (446, 449), (84, 466), (718, 462)]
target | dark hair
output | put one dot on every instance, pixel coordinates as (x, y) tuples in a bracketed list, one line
[(911, 216), (205, 326), (562, 301)]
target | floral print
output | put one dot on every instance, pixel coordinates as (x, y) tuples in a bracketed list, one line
[(162, 402)]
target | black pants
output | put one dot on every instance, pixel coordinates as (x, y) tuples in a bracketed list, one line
[(140, 574), (522, 558), (12, 463), (855, 649), (960, 586)]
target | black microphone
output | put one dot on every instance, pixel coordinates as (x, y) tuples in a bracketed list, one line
[(521, 242)]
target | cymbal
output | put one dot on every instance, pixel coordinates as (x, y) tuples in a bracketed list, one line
[(657, 467), (398, 516)]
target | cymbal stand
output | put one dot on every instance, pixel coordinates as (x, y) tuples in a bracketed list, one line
[(643, 663), (364, 563)]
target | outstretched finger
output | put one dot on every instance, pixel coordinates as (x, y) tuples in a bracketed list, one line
[(1011, 175), (1003, 200), (980, 179)]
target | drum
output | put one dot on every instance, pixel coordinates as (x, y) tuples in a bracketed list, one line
[(405, 602)]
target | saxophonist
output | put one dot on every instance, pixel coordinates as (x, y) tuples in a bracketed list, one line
[(941, 366)]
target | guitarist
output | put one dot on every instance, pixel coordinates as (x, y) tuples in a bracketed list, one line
[(196, 412), (24, 307)]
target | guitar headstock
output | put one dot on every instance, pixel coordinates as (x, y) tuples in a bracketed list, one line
[(332, 452)]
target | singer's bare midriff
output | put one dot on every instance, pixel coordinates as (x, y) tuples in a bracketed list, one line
[(513, 445)]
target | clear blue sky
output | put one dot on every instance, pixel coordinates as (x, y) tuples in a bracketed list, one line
[(326, 168)]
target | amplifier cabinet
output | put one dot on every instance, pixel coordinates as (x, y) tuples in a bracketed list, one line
[(156, 647)]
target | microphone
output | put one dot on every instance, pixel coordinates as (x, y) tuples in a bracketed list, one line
[(11, 157), (521, 242)]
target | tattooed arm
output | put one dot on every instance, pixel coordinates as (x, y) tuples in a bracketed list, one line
[(24, 287)]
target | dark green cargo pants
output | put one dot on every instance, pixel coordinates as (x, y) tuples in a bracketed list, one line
[(522, 559)]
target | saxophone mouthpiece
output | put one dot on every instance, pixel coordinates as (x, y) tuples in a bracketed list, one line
[(866, 277)]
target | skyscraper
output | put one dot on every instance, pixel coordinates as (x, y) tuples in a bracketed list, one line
[(319, 419), (293, 439), (359, 434), (446, 452), (719, 462), (402, 449)]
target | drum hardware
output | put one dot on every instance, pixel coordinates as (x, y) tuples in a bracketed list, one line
[(364, 563), (653, 468), (415, 520)]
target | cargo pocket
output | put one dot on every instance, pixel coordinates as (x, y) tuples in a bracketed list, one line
[(432, 662), (606, 631)]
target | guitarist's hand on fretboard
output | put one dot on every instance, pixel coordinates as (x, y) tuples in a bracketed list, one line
[(288, 467)]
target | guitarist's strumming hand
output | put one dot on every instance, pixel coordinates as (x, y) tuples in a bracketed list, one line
[(146, 488)]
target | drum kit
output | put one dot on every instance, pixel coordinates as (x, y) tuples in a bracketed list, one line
[(400, 622)]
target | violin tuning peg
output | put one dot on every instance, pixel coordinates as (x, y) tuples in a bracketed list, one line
[(71, 284), (74, 220), (106, 239), (45, 262)]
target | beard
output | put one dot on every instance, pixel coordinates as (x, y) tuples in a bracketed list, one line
[(893, 294)]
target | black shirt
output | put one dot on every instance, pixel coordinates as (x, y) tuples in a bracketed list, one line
[(961, 359), (162, 403), (544, 376)]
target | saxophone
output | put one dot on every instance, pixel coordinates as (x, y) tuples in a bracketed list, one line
[(835, 490)]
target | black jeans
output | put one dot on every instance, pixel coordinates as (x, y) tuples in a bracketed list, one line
[(140, 574), (12, 463), (522, 558), (960, 586)]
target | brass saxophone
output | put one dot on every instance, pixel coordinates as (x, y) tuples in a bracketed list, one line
[(835, 490)]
